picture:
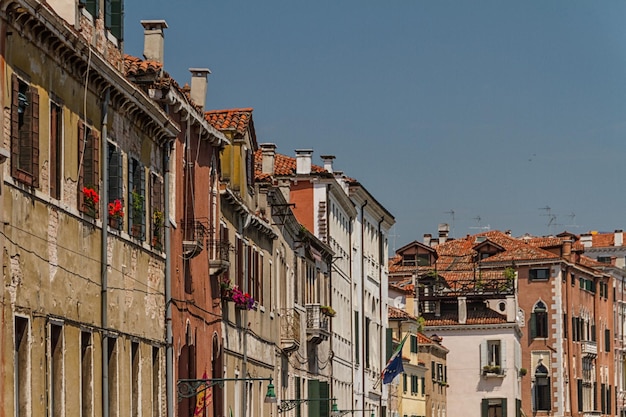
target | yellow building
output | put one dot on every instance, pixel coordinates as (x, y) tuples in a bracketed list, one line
[(83, 288)]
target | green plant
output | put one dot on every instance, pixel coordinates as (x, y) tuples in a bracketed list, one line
[(421, 321), (523, 371), (328, 310), (137, 203)]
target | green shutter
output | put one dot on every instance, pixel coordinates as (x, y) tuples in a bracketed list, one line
[(484, 408), (533, 325), (324, 405), (518, 407), (115, 173), (580, 395), (314, 393), (114, 17), (356, 338), (389, 343)]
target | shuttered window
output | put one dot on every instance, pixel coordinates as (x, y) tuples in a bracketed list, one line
[(24, 133), (136, 198), (114, 17), (88, 162), (158, 211), (56, 149)]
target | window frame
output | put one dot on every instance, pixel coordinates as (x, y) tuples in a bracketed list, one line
[(533, 274), (24, 132)]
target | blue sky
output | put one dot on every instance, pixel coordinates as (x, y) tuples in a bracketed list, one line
[(478, 114)]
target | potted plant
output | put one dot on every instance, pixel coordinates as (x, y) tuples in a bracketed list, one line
[(523, 371), (242, 300), (226, 289), (137, 208), (328, 311), (91, 199), (157, 226), (116, 212)]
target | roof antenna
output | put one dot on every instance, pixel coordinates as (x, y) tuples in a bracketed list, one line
[(451, 213)]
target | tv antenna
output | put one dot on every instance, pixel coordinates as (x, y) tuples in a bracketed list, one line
[(551, 217), (478, 226), (451, 213)]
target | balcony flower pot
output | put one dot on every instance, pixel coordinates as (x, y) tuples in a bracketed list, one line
[(328, 311)]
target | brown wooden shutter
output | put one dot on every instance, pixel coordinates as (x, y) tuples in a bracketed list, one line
[(34, 144), (81, 166), (95, 157), (15, 125), (54, 146)]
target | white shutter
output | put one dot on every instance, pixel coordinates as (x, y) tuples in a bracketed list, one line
[(484, 357)]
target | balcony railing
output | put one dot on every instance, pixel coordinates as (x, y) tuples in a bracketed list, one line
[(316, 324), (290, 329), (468, 287), (194, 233), (589, 348), (218, 256)]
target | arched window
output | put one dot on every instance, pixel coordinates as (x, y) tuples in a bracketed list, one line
[(539, 321), (542, 388)]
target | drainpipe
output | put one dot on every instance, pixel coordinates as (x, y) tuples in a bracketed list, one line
[(363, 321), (381, 259), (104, 198), (169, 356)]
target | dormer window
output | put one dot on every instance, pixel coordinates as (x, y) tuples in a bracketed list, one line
[(420, 259)]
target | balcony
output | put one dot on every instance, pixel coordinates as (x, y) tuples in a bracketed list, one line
[(316, 324), (193, 239), (218, 256), (289, 329), (589, 348)]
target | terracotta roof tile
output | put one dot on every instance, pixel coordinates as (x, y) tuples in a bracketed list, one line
[(602, 240), (485, 316), (230, 119), (134, 66), (398, 314), (422, 339)]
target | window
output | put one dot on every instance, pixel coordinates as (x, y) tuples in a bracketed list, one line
[(24, 133), (21, 366), (158, 211), (607, 340), (404, 382), (136, 199), (539, 274), (156, 382), (539, 321), (134, 380), (604, 259), (368, 323), (413, 344), (492, 357), (56, 369), (88, 164), (114, 17), (423, 380), (409, 260), (112, 358), (542, 388), (86, 373), (356, 338), (493, 407), (116, 177), (56, 149), (91, 6)]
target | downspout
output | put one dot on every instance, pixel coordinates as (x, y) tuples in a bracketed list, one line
[(381, 259), (169, 354), (104, 198), (363, 321)]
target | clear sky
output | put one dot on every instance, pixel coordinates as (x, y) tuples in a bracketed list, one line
[(474, 113)]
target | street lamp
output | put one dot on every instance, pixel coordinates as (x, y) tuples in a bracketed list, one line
[(336, 412), (286, 405), (188, 388)]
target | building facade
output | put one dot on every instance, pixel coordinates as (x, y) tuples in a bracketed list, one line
[(83, 288)]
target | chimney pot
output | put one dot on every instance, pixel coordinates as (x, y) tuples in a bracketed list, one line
[(268, 152), (328, 162), (199, 85), (154, 41), (303, 161), (619, 238), (427, 238)]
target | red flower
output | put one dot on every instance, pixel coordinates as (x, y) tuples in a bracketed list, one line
[(116, 210), (91, 197)]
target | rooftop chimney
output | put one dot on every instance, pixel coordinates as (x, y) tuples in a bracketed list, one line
[(328, 162), (153, 39), (303, 161), (462, 306), (268, 152), (427, 238), (199, 85), (567, 249), (619, 238), (444, 228), (587, 240)]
